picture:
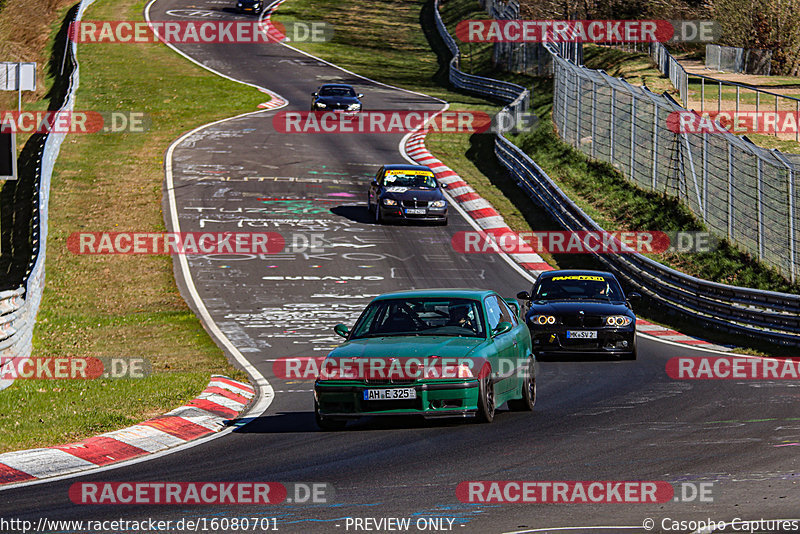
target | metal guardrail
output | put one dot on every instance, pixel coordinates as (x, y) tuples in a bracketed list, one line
[(18, 308), (765, 315)]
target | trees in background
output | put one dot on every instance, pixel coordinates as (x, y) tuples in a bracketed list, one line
[(768, 24)]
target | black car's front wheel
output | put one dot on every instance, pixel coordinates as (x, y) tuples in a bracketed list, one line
[(486, 400), (525, 404)]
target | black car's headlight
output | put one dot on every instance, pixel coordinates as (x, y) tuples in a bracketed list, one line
[(438, 204), (389, 202), (618, 320), (320, 105), (543, 319), (354, 107)]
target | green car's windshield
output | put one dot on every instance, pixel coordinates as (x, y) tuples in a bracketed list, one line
[(421, 317), (581, 287)]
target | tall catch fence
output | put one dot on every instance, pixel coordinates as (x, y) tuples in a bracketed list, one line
[(741, 191)]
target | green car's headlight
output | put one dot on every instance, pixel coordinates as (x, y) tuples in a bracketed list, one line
[(438, 204), (389, 202)]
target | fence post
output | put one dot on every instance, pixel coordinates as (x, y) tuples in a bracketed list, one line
[(705, 176), (792, 249), (633, 132), (613, 120), (655, 144), (760, 204), (579, 101), (730, 191), (594, 119)]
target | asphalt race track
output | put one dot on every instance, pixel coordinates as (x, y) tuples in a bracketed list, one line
[(593, 421)]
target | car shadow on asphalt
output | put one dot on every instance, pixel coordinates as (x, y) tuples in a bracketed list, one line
[(300, 422)]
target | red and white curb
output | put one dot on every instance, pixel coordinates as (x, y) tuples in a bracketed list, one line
[(277, 101), (222, 400), (465, 196), (662, 332), (491, 221)]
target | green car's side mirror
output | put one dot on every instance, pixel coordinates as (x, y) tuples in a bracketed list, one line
[(341, 330), (502, 328)]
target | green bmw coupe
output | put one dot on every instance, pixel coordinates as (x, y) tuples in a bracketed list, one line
[(433, 352)]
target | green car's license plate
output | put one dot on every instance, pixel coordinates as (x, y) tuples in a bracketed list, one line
[(390, 394)]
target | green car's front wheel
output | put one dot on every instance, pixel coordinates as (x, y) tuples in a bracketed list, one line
[(486, 400), (525, 404)]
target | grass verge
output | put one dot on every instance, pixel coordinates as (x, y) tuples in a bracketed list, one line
[(118, 306)]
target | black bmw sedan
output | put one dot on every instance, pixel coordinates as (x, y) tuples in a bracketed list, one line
[(581, 313), (336, 97), (406, 193)]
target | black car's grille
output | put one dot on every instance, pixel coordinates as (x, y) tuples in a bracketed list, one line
[(415, 203), (575, 320), (336, 105)]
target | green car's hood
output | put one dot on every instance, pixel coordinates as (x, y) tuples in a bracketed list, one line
[(409, 347)]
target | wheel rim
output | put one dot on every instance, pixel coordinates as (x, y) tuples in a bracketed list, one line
[(531, 384), (489, 398)]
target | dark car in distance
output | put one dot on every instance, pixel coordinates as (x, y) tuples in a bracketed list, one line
[(336, 97), (406, 193), (580, 313), (249, 6)]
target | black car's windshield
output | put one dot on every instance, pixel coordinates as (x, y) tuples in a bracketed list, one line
[(410, 179), (421, 317), (336, 91), (583, 287)]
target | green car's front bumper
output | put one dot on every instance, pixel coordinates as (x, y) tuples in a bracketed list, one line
[(435, 398)]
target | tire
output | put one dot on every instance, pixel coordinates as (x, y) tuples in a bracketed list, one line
[(486, 405), (525, 404), (327, 424), (369, 204), (378, 216)]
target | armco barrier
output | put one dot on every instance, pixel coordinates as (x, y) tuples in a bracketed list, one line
[(18, 308), (765, 315)]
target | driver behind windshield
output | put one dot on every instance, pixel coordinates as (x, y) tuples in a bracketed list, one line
[(420, 181)]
